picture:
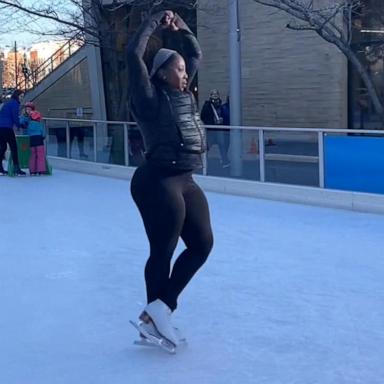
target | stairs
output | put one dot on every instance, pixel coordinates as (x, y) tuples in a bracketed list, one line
[(57, 73), (70, 80), (65, 52)]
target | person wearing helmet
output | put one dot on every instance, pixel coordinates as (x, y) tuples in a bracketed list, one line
[(171, 204), (31, 120)]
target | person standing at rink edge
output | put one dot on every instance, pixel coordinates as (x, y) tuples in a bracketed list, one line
[(9, 118), (31, 120), (171, 204)]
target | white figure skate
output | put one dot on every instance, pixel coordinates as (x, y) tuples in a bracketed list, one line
[(155, 327)]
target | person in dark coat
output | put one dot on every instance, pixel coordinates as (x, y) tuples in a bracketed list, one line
[(9, 118), (213, 113)]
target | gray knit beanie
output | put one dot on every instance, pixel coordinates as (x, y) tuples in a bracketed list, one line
[(160, 58)]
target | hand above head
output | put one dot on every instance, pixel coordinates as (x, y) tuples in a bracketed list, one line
[(169, 20)]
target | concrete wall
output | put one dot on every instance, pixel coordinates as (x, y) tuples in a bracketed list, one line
[(290, 78), (356, 201), (66, 94)]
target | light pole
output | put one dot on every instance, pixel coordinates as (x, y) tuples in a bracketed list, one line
[(235, 87), (25, 70), (16, 69), (1, 75)]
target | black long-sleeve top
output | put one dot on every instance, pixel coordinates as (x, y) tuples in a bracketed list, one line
[(142, 91), (174, 140)]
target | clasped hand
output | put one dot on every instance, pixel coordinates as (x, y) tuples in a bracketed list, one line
[(169, 20)]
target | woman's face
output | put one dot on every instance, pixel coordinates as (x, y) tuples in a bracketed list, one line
[(175, 75)]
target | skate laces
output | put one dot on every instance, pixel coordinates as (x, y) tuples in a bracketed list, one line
[(156, 329), (148, 325)]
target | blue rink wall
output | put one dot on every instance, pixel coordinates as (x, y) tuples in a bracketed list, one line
[(354, 163)]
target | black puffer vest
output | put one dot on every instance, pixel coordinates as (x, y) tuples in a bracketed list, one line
[(176, 137)]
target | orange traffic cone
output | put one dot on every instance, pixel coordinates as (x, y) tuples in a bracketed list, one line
[(253, 146)]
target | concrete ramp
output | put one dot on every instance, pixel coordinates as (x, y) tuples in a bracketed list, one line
[(75, 85), (57, 73)]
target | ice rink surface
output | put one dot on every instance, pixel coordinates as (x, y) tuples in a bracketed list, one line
[(291, 294)]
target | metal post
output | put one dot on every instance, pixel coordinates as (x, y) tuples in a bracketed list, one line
[(321, 159), (94, 142), (261, 155), (68, 138), (46, 134), (16, 68), (205, 163), (235, 87), (126, 145)]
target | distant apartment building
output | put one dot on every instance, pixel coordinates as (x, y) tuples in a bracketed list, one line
[(12, 68)]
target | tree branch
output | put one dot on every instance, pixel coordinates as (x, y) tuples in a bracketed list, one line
[(49, 15)]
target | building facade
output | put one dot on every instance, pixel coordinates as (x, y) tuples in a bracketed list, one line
[(294, 78), (289, 78), (368, 43)]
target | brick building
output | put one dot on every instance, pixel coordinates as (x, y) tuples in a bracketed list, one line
[(293, 78)]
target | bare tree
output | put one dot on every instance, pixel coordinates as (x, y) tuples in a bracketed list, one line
[(108, 24), (333, 21), (64, 18)]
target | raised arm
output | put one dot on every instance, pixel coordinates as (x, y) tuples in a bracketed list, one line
[(193, 53), (141, 88)]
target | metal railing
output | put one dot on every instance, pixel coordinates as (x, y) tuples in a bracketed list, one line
[(58, 57), (262, 156)]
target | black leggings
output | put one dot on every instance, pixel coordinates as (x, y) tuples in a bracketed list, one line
[(7, 135), (172, 205)]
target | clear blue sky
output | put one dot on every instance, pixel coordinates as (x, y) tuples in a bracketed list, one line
[(23, 39)]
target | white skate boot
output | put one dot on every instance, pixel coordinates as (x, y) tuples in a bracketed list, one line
[(150, 337), (149, 329), (159, 314)]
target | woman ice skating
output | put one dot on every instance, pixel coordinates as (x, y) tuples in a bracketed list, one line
[(171, 204)]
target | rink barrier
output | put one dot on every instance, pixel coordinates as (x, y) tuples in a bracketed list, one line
[(367, 202), (356, 201)]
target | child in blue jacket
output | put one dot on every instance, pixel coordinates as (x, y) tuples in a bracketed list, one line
[(31, 120)]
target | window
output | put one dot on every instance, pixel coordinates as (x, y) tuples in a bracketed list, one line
[(368, 43)]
